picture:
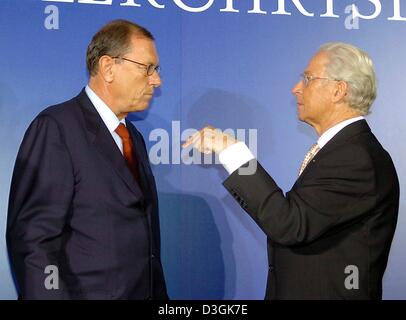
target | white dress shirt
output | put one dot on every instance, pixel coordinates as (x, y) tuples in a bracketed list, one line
[(237, 154), (108, 116)]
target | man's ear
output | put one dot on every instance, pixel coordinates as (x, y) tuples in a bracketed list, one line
[(106, 68), (340, 91)]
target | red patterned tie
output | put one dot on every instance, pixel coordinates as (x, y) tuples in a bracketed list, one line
[(128, 150)]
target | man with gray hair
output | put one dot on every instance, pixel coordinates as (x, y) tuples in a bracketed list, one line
[(329, 237)]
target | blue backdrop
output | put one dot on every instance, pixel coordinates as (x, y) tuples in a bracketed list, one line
[(227, 68)]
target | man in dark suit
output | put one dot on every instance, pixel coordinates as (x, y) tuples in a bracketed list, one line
[(329, 237), (83, 210)]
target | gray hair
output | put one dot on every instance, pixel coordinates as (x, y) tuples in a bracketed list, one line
[(354, 66)]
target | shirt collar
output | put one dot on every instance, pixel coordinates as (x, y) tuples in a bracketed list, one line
[(330, 133), (108, 116)]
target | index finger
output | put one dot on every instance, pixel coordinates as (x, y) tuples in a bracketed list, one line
[(191, 140)]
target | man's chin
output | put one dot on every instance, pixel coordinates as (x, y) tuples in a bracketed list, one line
[(140, 107), (304, 120)]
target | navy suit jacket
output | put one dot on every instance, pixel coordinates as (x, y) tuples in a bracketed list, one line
[(329, 236), (74, 204)]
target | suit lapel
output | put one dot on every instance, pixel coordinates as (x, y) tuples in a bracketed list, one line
[(341, 137), (147, 181), (143, 160), (105, 144), (344, 135)]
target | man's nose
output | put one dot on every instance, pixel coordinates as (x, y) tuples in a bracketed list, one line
[(297, 88), (155, 79)]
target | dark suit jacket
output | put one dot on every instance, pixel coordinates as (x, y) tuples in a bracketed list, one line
[(74, 204), (341, 213)]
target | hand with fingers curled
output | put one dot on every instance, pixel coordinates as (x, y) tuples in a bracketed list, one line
[(209, 140)]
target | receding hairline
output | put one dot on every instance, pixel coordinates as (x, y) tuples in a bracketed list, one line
[(115, 38), (132, 42)]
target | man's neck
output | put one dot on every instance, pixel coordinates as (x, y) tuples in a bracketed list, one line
[(101, 90), (334, 120)]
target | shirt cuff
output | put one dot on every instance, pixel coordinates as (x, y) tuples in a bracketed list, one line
[(235, 156)]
